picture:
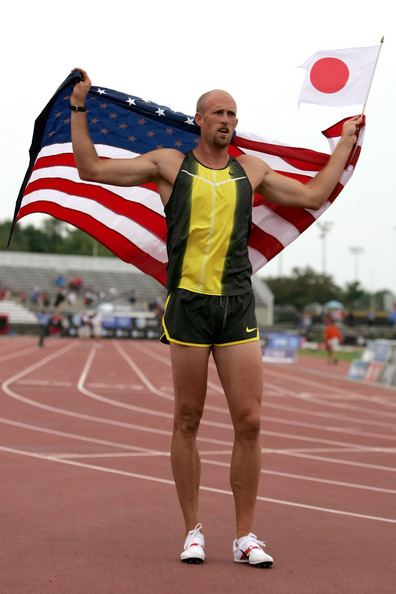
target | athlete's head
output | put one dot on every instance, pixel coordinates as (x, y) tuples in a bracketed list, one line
[(216, 117)]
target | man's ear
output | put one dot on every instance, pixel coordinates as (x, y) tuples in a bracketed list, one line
[(198, 119)]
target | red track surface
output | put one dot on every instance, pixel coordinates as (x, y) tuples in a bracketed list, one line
[(87, 501)]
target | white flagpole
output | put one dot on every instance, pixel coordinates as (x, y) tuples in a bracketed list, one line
[(372, 76)]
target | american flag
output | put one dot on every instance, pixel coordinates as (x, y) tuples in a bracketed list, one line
[(130, 221)]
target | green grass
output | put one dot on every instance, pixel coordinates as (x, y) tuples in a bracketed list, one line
[(342, 355)]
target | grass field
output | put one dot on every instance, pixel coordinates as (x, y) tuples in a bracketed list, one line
[(343, 355)]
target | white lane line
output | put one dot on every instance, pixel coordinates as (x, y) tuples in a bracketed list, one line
[(115, 386), (321, 386), (44, 383), (143, 452), (74, 436), (324, 415), (362, 431), (111, 455), (387, 389), (338, 461), (303, 477), (202, 488), (18, 354), (362, 449)]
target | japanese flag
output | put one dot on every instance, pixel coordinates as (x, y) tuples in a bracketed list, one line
[(339, 77)]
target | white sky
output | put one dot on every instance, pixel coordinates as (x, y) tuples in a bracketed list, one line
[(173, 51)]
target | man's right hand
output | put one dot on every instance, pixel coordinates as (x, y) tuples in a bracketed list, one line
[(81, 89)]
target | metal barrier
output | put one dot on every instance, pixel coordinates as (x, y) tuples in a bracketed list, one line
[(377, 364)]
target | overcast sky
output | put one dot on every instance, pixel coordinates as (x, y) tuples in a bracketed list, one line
[(171, 52)]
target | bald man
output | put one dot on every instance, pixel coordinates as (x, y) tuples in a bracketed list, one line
[(207, 197)]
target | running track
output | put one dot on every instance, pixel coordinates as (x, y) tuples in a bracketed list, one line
[(87, 501)]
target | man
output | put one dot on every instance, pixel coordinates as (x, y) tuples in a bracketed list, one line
[(332, 340), (210, 307)]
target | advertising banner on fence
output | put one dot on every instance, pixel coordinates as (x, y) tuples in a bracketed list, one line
[(279, 347)]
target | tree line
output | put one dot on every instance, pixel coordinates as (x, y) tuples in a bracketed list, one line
[(51, 237), (305, 287)]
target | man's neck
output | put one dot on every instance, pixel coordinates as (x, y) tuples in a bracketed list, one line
[(212, 156)]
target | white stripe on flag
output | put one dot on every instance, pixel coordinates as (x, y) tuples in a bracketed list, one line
[(132, 231), (143, 196)]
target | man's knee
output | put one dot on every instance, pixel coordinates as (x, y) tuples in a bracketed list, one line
[(247, 425), (187, 419)]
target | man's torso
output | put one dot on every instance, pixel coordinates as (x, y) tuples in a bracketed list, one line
[(209, 218)]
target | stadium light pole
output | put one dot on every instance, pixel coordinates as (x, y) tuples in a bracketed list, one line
[(356, 250), (324, 230)]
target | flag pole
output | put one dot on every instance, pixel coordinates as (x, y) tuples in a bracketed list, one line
[(372, 76)]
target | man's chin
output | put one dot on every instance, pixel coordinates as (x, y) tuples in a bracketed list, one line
[(222, 142)]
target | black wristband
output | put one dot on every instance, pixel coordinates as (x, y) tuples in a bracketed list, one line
[(78, 108)]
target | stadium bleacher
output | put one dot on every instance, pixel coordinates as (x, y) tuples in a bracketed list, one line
[(109, 279)]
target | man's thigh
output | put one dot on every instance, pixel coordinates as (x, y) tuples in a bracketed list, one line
[(240, 371), (190, 375)]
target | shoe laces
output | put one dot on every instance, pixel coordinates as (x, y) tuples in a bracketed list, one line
[(252, 537), (194, 535)]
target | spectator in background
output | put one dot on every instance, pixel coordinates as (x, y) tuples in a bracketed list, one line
[(370, 318), (43, 319), (350, 319), (84, 330), (332, 340), (96, 324), (45, 299), (392, 317), (35, 296), (56, 324), (60, 281), (71, 298), (59, 298), (76, 283)]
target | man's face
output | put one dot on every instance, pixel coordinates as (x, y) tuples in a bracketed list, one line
[(217, 119)]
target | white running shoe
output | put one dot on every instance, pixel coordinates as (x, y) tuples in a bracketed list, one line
[(194, 546), (248, 549)]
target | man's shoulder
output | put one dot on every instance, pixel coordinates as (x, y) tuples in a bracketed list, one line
[(169, 154), (248, 159), (167, 157), (255, 169)]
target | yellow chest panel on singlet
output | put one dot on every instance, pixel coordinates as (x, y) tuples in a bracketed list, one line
[(210, 245), (211, 225)]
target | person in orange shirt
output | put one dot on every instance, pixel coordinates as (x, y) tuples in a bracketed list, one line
[(332, 339)]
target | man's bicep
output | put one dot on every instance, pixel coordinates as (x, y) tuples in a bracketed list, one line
[(281, 189)]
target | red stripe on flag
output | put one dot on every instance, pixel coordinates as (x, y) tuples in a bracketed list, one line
[(67, 160), (303, 159), (299, 217), (135, 211), (117, 243), (61, 160), (264, 243)]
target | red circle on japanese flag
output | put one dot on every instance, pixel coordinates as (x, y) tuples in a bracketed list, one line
[(329, 75)]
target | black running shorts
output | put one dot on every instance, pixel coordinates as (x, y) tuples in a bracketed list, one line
[(193, 319)]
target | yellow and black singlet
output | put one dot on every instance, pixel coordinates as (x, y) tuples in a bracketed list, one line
[(209, 217)]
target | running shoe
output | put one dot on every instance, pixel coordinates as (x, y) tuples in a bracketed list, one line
[(248, 549), (194, 546)]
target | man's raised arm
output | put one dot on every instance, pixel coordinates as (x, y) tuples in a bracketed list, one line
[(289, 192), (119, 172)]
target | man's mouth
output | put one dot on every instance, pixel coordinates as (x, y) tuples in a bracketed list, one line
[(223, 130)]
